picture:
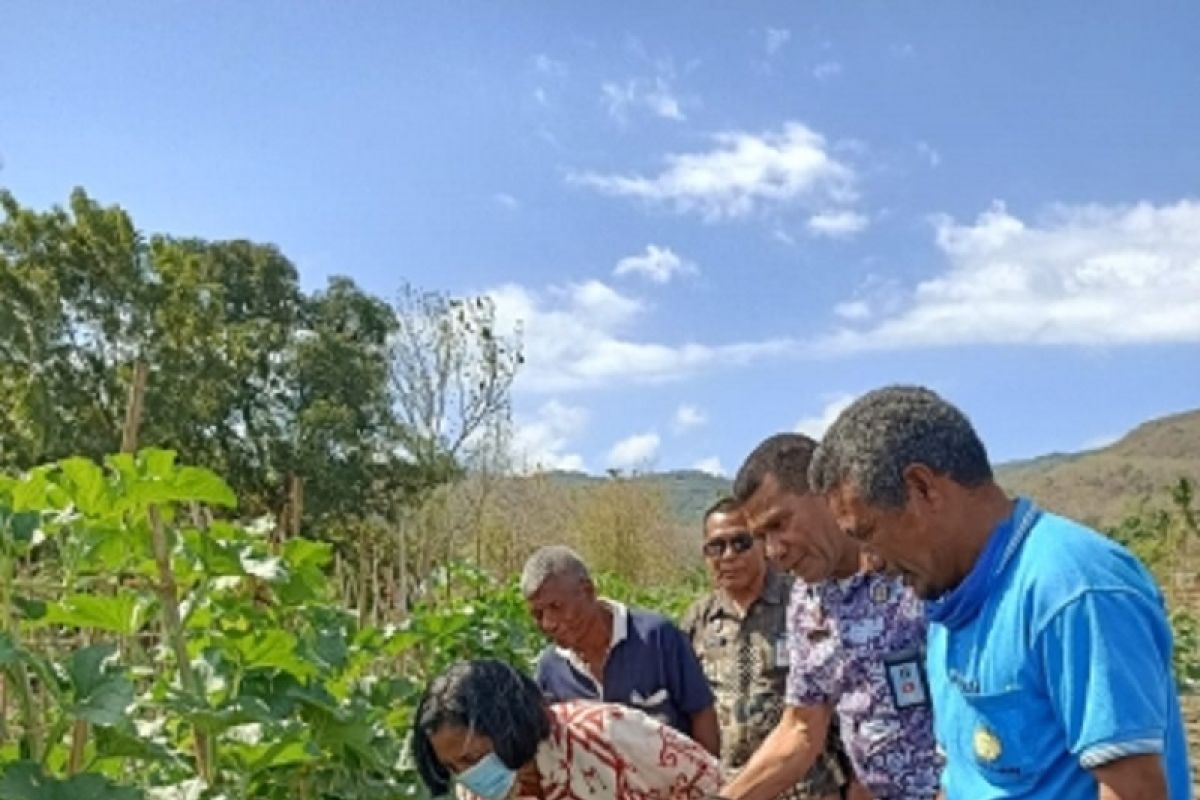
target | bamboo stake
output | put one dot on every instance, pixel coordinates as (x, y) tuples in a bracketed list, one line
[(169, 596)]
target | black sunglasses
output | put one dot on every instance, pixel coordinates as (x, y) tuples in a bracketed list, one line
[(739, 542)]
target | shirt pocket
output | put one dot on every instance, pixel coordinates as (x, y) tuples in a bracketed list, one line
[(1001, 738), (656, 703)]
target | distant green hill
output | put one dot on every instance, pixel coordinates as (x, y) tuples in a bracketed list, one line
[(1094, 486), (1101, 486), (688, 491)]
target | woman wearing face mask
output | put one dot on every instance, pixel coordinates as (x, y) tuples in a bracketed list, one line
[(484, 726)]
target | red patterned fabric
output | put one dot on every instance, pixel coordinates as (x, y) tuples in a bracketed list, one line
[(602, 751)]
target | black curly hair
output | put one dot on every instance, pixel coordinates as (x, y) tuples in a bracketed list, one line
[(486, 696)]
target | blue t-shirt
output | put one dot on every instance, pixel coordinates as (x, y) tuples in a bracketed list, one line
[(651, 667), (1066, 666)]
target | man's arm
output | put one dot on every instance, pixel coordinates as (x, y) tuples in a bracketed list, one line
[(785, 756), (706, 730), (1132, 778)]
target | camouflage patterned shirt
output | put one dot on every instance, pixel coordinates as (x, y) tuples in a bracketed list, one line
[(745, 658)]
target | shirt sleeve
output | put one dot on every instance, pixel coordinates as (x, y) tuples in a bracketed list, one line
[(1106, 656), (814, 655), (685, 677), (541, 674)]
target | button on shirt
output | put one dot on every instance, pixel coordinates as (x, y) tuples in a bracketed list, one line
[(650, 666), (841, 632), (1065, 665), (745, 657)]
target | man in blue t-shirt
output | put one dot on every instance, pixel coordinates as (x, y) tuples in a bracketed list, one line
[(605, 651), (1049, 653)]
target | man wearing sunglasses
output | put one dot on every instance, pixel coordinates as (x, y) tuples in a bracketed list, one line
[(739, 632), (855, 638)]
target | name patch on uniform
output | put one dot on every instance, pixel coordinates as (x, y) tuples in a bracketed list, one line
[(906, 681), (782, 654)]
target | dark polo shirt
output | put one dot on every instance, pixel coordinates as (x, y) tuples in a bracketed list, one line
[(650, 666)]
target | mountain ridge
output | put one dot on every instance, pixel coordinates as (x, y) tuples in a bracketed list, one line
[(1097, 486)]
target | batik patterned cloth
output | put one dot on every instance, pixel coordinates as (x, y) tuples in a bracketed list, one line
[(604, 751), (841, 632)]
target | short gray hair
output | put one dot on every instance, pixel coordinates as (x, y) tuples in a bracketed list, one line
[(550, 561), (885, 431)]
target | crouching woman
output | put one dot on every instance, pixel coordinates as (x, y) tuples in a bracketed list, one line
[(484, 726)]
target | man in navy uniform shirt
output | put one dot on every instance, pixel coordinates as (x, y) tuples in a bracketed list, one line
[(605, 651)]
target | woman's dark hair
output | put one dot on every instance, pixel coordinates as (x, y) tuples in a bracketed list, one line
[(485, 696)]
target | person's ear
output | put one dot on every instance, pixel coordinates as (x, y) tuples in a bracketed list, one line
[(923, 486)]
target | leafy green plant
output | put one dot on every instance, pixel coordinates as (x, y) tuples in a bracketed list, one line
[(154, 650)]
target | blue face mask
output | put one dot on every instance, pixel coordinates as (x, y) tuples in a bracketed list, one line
[(489, 778)]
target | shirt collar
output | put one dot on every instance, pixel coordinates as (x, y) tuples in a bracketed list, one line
[(776, 591)]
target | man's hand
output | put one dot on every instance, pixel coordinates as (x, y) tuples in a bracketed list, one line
[(1132, 778), (785, 756)]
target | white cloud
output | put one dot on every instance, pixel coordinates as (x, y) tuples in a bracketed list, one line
[(688, 417), (777, 38), (636, 452), (928, 152), (745, 173), (815, 426), (549, 66), (841, 224), (711, 465), (577, 337), (658, 264), (1086, 275), (826, 70), (542, 443), (853, 310), (507, 201), (656, 95), (540, 95), (783, 237)]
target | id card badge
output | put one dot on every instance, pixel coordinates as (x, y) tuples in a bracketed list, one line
[(905, 671), (783, 655)]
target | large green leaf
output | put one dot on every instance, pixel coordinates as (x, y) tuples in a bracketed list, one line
[(21, 526), (102, 693), (272, 649), (123, 613), (306, 561), (218, 558), (30, 493), (86, 485), (122, 741), (202, 486), (24, 780), (157, 464)]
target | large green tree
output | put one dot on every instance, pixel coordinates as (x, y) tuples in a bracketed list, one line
[(333, 411)]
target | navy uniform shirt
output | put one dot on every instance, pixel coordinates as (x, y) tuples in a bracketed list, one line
[(651, 666)]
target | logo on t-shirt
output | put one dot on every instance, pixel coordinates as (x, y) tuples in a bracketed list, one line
[(987, 745)]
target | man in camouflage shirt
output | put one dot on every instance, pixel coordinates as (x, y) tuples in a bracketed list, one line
[(739, 632)]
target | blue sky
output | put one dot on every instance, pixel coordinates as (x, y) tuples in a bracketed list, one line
[(714, 221)]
